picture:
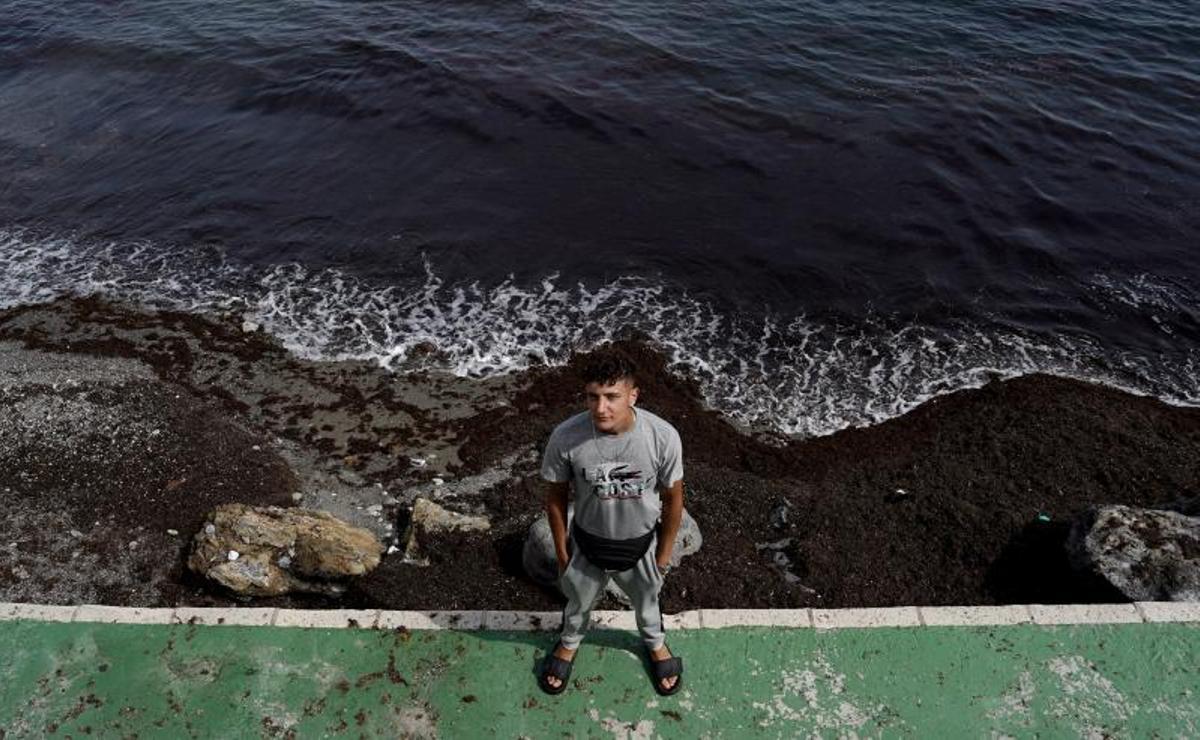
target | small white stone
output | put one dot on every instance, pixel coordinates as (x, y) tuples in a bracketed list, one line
[(133, 545), (173, 532), (249, 326), (297, 496), (392, 550), (438, 481), (256, 448), (210, 528), (74, 533), (234, 555), (284, 561), (417, 462)]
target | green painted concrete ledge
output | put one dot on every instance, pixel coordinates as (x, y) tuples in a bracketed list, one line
[(171, 681)]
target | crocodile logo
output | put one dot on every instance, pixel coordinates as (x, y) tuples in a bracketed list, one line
[(616, 481)]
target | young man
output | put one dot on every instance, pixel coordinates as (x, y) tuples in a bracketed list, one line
[(625, 467)]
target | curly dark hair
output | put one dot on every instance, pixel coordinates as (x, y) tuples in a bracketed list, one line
[(606, 366)]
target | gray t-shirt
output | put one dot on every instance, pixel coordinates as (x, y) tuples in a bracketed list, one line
[(616, 477)]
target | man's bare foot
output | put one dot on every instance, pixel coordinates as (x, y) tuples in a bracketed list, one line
[(663, 653), (565, 654)]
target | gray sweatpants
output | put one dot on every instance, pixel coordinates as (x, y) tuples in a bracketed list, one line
[(582, 583)]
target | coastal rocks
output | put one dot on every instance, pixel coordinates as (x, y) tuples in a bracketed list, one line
[(541, 564), (537, 556), (429, 520), (98, 452), (1148, 554), (269, 551)]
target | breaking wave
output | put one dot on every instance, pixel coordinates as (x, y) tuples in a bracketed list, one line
[(790, 375)]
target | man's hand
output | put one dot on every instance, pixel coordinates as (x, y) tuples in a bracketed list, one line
[(556, 514), (672, 515)]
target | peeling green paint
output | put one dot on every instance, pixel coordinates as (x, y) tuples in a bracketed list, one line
[(1138, 680)]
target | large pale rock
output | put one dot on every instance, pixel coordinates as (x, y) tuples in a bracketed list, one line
[(268, 551), (1148, 554), (429, 519), (541, 564)]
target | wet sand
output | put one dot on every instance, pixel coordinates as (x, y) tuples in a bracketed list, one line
[(965, 500)]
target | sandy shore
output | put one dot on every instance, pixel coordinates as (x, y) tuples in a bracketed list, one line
[(123, 427)]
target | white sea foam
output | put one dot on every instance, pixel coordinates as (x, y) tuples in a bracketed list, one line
[(789, 374), (1156, 298)]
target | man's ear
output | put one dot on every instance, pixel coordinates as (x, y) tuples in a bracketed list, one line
[(633, 395)]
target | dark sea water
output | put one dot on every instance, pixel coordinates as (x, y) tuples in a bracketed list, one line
[(828, 211)]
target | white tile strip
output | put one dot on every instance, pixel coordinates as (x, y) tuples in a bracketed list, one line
[(613, 620), (326, 618), (892, 616), (247, 617), (39, 612), (974, 616), (465, 620), (1084, 613), (719, 618), (122, 615), (904, 616), (1169, 611), (689, 620), (523, 621)]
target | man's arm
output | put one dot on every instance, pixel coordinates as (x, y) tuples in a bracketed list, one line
[(672, 515), (556, 513)]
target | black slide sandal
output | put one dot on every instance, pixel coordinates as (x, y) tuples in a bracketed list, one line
[(557, 667), (666, 668)]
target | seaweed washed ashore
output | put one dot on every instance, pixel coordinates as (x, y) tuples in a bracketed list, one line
[(136, 423)]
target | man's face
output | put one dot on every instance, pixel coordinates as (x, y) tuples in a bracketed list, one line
[(611, 405)]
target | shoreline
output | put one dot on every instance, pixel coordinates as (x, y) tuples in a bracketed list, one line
[(978, 467)]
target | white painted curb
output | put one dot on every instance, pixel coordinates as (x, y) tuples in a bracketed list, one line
[(975, 616), (1085, 614), (895, 616), (1141, 612)]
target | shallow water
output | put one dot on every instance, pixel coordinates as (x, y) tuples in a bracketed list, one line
[(828, 212)]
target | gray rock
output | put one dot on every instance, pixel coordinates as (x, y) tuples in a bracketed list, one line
[(429, 519), (541, 564), (268, 551), (538, 558), (1148, 554), (779, 515)]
